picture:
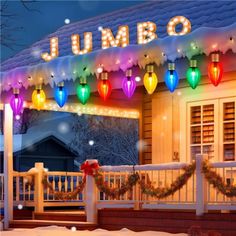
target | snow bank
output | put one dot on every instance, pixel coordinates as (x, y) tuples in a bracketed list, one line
[(62, 231)]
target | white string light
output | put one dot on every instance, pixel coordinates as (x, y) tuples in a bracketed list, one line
[(171, 26), (146, 32), (90, 109), (121, 39), (54, 52), (88, 43)]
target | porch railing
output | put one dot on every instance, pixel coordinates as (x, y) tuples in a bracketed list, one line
[(197, 194)]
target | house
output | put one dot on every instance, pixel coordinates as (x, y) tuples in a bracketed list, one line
[(174, 126), (178, 119), (55, 155)]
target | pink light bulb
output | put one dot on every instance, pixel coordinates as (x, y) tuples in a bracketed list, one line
[(16, 103), (129, 84)]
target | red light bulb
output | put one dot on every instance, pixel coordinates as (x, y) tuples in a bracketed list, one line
[(215, 70), (104, 86)]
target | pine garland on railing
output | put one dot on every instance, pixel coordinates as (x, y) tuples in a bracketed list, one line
[(60, 195), (146, 188), (217, 181), (163, 192), (115, 192)]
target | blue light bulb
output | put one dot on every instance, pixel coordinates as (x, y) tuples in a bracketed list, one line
[(171, 77), (61, 95)]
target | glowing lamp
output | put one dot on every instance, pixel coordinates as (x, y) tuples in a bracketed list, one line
[(104, 86), (215, 69), (38, 97), (193, 74), (83, 91), (171, 77), (16, 103), (60, 94), (150, 79), (128, 84)]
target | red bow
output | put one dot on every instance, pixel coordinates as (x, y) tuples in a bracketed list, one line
[(89, 169)]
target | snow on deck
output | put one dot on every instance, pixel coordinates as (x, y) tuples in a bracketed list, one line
[(62, 231)]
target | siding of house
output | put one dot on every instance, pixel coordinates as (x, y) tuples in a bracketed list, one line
[(147, 129), (170, 133)]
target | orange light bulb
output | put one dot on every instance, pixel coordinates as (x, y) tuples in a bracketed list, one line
[(38, 97), (104, 86), (215, 70)]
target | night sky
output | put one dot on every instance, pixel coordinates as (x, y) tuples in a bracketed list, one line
[(41, 18)]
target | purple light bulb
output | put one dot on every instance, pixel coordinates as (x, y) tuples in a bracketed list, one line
[(129, 84), (16, 103)]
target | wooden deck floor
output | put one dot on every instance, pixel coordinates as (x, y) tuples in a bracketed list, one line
[(136, 220), (167, 221)]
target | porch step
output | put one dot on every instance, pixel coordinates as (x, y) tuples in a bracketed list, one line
[(61, 216), (42, 223)]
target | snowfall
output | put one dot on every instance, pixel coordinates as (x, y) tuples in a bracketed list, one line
[(62, 231)]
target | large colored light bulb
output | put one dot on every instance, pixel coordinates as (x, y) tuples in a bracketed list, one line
[(38, 97), (215, 69), (61, 94), (128, 84), (171, 78), (83, 91), (16, 103), (104, 86), (150, 79), (193, 74)]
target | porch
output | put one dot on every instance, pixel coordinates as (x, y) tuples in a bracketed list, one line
[(197, 201)]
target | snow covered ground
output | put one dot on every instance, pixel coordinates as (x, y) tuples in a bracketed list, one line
[(62, 231)]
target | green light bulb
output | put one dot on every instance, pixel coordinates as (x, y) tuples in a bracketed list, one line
[(193, 74), (83, 92)]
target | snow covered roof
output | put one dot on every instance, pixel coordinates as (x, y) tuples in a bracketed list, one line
[(53, 126), (201, 14)]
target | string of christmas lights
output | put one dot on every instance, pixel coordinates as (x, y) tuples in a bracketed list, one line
[(150, 81)]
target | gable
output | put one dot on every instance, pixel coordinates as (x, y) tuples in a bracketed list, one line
[(48, 147)]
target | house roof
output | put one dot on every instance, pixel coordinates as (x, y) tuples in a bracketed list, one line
[(52, 126), (53, 138), (200, 13)]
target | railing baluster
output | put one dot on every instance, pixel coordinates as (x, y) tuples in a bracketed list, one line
[(179, 190), (53, 186), (193, 187), (23, 183), (224, 181), (17, 179)]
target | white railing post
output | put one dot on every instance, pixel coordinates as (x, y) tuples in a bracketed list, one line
[(38, 187), (8, 165), (91, 198), (200, 185)]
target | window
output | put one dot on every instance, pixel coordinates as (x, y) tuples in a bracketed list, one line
[(228, 128), (211, 129)]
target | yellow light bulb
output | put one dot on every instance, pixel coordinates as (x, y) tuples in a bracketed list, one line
[(38, 98), (150, 80)]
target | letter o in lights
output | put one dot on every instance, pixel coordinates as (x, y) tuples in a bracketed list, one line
[(171, 27)]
